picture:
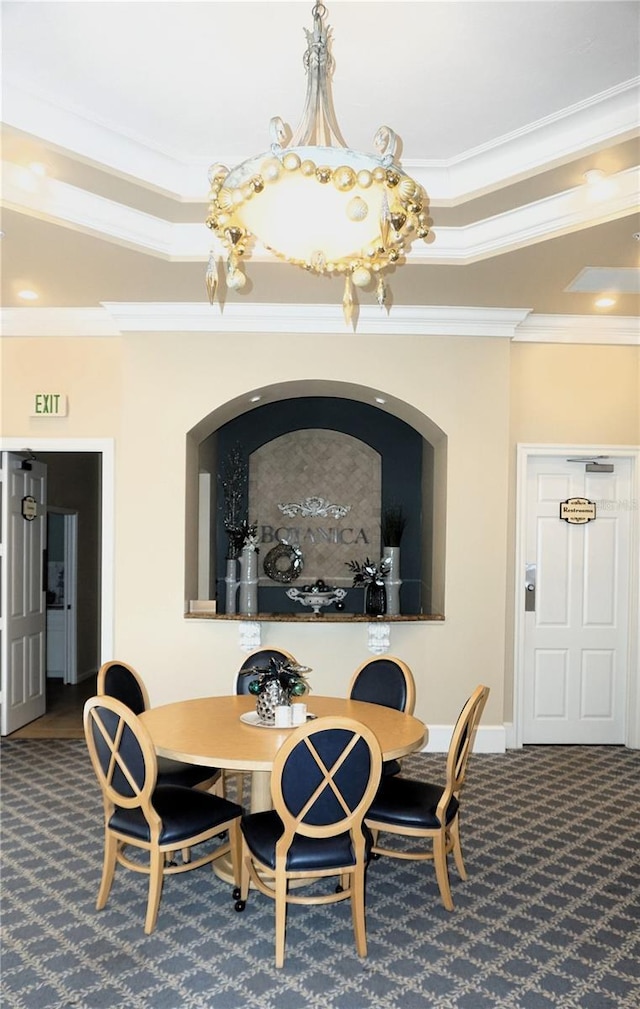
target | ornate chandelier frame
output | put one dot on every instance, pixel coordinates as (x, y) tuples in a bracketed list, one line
[(314, 202)]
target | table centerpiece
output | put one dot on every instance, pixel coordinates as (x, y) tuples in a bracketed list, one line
[(276, 684)]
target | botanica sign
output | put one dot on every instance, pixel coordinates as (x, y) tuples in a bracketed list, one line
[(297, 536)]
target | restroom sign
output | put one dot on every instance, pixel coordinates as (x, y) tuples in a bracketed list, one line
[(49, 404), (577, 510), (29, 508)]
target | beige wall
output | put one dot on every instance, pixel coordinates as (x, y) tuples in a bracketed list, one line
[(575, 394), (87, 370), (566, 395), (147, 391)]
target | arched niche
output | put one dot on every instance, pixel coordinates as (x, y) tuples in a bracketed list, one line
[(344, 407)]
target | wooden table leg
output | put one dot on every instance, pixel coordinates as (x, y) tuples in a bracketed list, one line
[(260, 791)]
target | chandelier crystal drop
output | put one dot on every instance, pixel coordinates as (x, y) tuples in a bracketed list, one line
[(314, 202)]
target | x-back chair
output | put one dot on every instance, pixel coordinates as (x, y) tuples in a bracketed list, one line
[(323, 779), (140, 813), (417, 809), (121, 681)]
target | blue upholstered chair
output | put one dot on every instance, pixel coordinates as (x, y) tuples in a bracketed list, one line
[(121, 681), (388, 681), (323, 780), (259, 657), (143, 814), (417, 809)]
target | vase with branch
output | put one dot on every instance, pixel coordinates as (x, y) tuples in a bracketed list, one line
[(234, 492), (248, 603), (372, 576), (392, 527)]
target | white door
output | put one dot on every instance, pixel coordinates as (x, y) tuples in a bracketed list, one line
[(577, 600), (23, 595)]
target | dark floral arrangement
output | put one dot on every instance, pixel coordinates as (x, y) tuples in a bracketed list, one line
[(291, 677), (369, 572), (234, 489), (393, 525), (245, 534)]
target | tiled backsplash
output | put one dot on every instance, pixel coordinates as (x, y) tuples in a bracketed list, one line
[(319, 490)]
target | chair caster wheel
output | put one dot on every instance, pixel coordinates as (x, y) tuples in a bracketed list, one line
[(240, 905), (236, 893)]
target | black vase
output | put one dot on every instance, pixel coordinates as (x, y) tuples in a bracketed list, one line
[(375, 599)]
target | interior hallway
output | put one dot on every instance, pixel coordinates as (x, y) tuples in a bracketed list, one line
[(63, 718)]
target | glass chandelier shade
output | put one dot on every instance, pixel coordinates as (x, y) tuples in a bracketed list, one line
[(314, 202)]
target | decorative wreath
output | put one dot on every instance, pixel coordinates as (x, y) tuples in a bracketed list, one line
[(283, 563)]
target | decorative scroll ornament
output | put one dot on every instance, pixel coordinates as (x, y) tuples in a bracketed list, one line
[(314, 507), (249, 635), (379, 638)]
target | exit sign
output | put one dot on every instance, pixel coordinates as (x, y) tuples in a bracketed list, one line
[(49, 404)]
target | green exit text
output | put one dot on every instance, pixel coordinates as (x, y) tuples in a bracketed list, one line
[(49, 404)]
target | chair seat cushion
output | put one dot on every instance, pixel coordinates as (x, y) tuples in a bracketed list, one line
[(185, 812), (176, 772), (262, 830), (403, 802)]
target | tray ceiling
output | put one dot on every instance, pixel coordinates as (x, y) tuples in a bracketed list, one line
[(501, 107)]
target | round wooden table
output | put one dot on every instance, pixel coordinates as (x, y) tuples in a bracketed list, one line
[(208, 730)]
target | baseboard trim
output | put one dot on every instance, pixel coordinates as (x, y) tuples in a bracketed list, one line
[(489, 739)]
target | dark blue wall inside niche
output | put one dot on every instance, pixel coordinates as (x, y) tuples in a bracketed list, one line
[(401, 452)]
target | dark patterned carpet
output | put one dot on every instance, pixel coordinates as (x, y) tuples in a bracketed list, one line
[(549, 918)]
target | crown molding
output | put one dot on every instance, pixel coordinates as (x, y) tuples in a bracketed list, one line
[(323, 319), (118, 318), (58, 202), (595, 329), (576, 130), (57, 322)]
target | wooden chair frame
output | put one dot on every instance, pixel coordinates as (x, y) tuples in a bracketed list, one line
[(406, 672), (445, 838), (101, 689), (215, 783), (352, 877), (116, 842)]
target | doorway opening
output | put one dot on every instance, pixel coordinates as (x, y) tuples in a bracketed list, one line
[(61, 583), (81, 480)]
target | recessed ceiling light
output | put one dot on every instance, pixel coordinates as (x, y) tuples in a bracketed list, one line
[(380, 399), (605, 302), (599, 187), (593, 176), (38, 168), (255, 399), (28, 295)]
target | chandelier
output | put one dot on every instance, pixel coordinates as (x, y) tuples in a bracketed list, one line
[(313, 201)]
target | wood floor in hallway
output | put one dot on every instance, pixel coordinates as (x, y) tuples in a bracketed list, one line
[(63, 718)]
